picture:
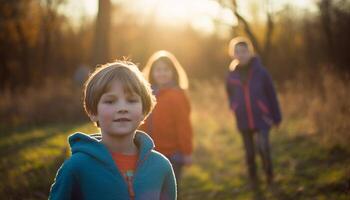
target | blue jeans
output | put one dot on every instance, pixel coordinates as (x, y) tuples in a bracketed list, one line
[(262, 140)]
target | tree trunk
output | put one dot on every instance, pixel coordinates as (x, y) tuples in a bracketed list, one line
[(325, 9), (268, 35), (102, 33)]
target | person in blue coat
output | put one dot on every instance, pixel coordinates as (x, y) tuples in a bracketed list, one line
[(119, 162), (253, 100)]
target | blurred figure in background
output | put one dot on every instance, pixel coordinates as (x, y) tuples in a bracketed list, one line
[(81, 74), (253, 99), (169, 123)]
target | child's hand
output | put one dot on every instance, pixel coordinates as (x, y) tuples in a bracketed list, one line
[(187, 159), (277, 125)]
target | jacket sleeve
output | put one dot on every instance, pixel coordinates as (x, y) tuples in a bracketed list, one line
[(64, 183), (230, 91), (169, 186), (272, 98), (181, 110)]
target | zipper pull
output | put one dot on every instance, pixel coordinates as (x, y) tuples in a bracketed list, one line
[(129, 178)]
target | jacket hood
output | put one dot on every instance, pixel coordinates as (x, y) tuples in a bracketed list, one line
[(92, 146)]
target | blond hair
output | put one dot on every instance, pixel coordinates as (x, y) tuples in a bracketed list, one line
[(128, 74), (180, 76), (240, 41), (231, 49)]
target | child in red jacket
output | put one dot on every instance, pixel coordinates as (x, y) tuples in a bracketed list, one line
[(169, 124)]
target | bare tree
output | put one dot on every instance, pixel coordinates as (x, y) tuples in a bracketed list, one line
[(268, 33), (102, 33), (325, 7), (49, 27)]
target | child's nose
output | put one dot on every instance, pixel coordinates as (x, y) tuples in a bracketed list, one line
[(122, 111), (122, 107)]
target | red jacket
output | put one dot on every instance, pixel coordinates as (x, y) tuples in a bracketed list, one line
[(169, 123)]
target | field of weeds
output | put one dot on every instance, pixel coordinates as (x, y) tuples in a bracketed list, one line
[(310, 149)]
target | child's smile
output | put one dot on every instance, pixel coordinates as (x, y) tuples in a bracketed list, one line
[(122, 120)]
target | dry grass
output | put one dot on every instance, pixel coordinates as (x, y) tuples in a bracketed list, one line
[(53, 102), (318, 108), (310, 148)]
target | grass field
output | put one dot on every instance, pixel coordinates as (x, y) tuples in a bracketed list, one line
[(309, 164)]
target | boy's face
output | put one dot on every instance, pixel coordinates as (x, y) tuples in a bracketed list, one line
[(242, 54), (119, 113), (162, 73)]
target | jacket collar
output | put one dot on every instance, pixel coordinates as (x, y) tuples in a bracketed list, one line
[(92, 146)]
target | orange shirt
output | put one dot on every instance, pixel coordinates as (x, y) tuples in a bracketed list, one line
[(125, 163), (169, 124), (127, 166)]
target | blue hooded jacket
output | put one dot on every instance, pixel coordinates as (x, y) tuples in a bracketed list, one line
[(254, 101), (91, 174)]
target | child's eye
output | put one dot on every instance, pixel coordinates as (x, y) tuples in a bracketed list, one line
[(108, 101), (134, 100)]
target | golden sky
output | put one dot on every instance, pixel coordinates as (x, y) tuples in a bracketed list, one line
[(200, 14)]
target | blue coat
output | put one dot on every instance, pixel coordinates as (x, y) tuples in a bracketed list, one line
[(254, 101), (91, 173)]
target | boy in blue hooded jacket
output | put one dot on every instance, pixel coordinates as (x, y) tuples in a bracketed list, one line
[(252, 98), (120, 162)]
